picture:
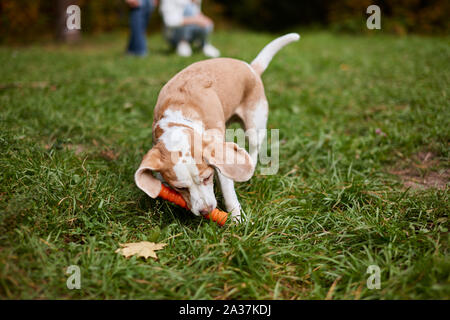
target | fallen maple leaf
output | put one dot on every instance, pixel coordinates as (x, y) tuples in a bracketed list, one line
[(141, 249)]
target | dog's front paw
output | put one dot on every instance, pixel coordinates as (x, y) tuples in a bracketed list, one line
[(236, 214), (236, 218)]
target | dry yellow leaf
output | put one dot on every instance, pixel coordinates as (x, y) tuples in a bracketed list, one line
[(141, 249)]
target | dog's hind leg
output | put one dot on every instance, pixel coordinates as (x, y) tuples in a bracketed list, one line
[(255, 120)]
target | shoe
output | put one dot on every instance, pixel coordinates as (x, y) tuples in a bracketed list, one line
[(210, 51), (184, 49)]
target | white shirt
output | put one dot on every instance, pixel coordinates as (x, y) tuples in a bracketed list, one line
[(173, 11)]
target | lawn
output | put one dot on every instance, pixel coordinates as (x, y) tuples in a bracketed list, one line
[(363, 177)]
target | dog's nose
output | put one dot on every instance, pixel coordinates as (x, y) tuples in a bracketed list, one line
[(207, 210)]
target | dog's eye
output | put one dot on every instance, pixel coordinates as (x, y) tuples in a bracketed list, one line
[(207, 179), (180, 189)]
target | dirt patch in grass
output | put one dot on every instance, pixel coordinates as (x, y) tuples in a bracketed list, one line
[(422, 171), (95, 149), (58, 145), (109, 154)]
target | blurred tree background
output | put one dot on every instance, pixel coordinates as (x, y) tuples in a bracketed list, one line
[(25, 20)]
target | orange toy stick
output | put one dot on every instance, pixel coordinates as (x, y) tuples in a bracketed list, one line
[(171, 195)]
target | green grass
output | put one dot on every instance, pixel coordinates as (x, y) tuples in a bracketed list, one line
[(75, 123)]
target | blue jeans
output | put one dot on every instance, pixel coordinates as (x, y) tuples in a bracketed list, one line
[(139, 18), (191, 33)]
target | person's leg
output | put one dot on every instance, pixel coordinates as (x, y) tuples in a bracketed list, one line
[(192, 33), (180, 38), (199, 36), (183, 37), (173, 36), (208, 49), (148, 12), (146, 19), (139, 18), (134, 28)]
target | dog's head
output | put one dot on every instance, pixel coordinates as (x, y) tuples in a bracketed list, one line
[(187, 161)]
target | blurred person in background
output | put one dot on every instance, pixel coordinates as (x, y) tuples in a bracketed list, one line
[(140, 12), (185, 26)]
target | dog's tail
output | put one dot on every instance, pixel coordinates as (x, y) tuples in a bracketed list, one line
[(265, 56)]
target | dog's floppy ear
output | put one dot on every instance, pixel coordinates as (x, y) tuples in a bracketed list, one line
[(231, 160), (144, 175)]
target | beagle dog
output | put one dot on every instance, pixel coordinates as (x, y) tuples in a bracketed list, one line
[(189, 126)]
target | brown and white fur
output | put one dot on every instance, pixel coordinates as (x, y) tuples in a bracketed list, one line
[(195, 106)]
